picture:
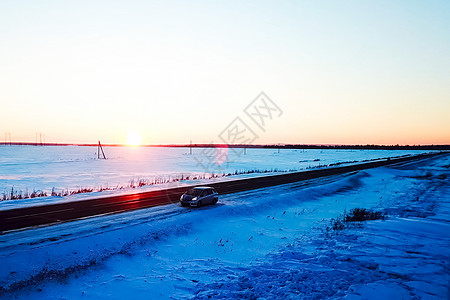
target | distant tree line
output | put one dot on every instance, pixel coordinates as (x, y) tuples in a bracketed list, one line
[(264, 146)]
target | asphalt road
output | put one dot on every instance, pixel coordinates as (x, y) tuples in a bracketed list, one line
[(21, 218)]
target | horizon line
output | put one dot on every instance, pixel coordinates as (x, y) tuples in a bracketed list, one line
[(267, 146)]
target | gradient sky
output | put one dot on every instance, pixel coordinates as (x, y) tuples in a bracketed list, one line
[(343, 72)]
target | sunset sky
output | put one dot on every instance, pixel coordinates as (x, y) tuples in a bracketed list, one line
[(342, 72)]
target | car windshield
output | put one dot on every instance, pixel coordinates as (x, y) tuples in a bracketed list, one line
[(194, 192)]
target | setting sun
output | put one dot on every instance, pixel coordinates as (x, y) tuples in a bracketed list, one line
[(133, 138)]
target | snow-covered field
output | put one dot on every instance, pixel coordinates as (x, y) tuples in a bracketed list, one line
[(269, 243), (64, 169)]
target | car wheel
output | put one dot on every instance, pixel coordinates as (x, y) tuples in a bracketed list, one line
[(215, 200), (199, 203)]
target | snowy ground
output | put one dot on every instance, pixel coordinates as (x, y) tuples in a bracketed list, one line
[(268, 243)]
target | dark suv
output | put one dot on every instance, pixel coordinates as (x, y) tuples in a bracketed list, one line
[(199, 196)]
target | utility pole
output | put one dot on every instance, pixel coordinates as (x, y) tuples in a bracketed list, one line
[(100, 148), (190, 148), (8, 138)]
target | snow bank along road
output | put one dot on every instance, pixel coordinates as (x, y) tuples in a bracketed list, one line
[(55, 213), (269, 243)]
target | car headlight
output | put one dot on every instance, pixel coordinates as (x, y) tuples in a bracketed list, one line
[(194, 199)]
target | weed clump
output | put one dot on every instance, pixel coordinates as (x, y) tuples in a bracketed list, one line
[(362, 214), (355, 215)]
